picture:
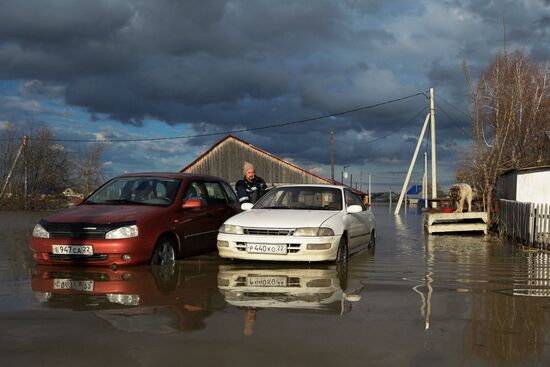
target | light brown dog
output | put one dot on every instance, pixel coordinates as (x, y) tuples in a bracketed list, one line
[(458, 193)]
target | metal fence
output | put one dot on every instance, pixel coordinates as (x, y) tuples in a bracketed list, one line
[(528, 223)]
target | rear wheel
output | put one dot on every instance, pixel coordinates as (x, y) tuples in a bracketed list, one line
[(164, 253), (342, 256), (372, 240)]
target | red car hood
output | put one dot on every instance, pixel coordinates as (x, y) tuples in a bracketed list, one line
[(105, 213)]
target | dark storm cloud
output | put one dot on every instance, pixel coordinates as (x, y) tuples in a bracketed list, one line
[(221, 65)]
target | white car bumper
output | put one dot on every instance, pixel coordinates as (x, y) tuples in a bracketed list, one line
[(233, 246)]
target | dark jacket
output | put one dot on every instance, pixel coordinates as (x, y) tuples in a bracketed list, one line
[(250, 192)]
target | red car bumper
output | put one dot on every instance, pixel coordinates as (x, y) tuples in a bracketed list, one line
[(128, 251)]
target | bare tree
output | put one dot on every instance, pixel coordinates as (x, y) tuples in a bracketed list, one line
[(87, 167), (510, 115)]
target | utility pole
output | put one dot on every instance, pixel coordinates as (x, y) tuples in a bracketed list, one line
[(351, 180), (411, 166), (8, 177), (434, 160), (370, 202), (425, 180), (25, 172), (344, 171), (332, 154), (361, 180)]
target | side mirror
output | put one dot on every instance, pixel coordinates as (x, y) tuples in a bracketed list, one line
[(354, 209), (192, 204), (246, 206)]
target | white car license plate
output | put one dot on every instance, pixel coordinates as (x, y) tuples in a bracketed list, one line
[(266, 281), (77, 285), (73, 249), (264, 248)]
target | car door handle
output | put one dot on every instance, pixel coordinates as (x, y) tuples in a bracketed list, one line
[(209, 214)]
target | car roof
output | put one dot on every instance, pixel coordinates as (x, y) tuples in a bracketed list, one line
[(177, 175), (314, 185)]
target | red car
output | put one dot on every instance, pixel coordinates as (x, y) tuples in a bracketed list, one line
[(144, 298), (138, 218)]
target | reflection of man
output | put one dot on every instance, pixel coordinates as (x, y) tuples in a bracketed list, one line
[(365, 198), (251, 187), (249, 321)]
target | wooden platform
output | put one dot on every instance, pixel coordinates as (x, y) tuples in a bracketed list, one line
[(456, 222)]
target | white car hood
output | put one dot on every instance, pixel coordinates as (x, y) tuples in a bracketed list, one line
[(281, 218)]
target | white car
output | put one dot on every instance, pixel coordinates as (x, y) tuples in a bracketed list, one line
[(299, 223), (321, 288)]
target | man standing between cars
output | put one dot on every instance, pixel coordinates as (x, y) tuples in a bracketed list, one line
[(251, 187)]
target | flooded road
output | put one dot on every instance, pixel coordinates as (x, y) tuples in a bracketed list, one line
[(416, 300)]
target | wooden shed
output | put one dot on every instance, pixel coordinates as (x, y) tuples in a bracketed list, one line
[(226, 158)]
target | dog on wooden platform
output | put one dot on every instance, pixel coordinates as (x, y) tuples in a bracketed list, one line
[(458, 193)]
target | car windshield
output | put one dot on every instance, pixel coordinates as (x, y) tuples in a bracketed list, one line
[(302, 198), (136, 191)]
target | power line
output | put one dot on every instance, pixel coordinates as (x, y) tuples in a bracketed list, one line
[(269, 126), (456, 124), (424, 108), (453, 106)]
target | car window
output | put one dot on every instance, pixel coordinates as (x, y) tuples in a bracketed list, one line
[(136, 190), (231, 196), (194, 191), (302, 198), (353, 199), (215, 193)]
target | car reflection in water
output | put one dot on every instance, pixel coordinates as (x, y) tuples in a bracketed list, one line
[(156, 299), (323, 288)]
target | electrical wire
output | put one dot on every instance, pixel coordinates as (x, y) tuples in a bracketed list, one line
[(455, 124), (268, 126), (400, 127), (453, 106)]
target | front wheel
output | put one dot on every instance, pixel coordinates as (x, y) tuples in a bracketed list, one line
[(164, 253), (342, 256)]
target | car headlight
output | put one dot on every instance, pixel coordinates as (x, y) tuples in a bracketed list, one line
[(124, 299), (122, 232), (231, 229), (325, 231), (313, 232), (40, 232)]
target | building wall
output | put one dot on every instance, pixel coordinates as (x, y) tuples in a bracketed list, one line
[(506, 186), (227, 159), (533, 187)]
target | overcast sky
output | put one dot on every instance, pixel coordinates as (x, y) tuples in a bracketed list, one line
[(118, 69)]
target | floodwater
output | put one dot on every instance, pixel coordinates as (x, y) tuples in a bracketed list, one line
[(417, 300)]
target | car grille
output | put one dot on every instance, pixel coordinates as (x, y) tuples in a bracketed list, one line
[(291, 248), (78, 235), (78, 276), (269, 231), (81, 230), (83, 258)]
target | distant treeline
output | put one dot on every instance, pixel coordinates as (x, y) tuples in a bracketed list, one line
[(44, 168)]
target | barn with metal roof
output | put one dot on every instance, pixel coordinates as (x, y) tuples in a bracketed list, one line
[(226, 158)]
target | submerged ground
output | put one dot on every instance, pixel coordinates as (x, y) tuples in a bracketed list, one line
[(417, 300)]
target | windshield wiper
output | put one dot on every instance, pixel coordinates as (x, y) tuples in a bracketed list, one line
[(123, 202), (274, 207)]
